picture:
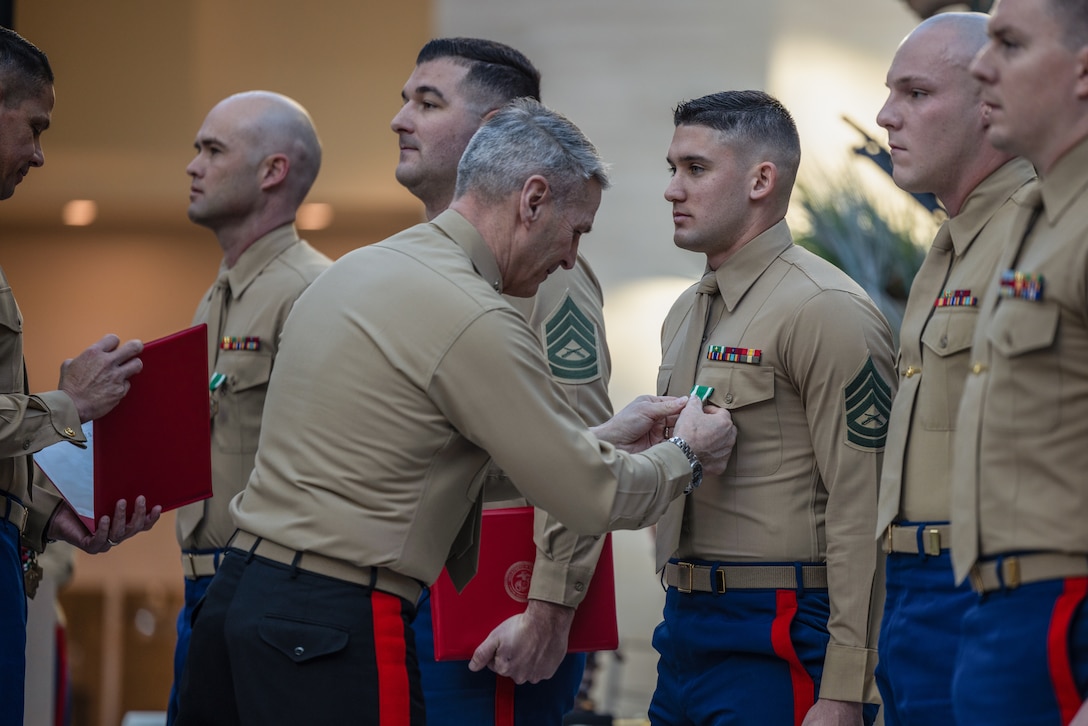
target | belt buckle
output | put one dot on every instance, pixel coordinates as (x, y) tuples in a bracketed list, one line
[(720, 575), (192, 564), (689, 568), (888, 539), (1010, 572), (24, 515), (975, 575), (931, 541)]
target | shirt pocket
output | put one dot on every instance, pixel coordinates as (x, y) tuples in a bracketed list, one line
[(947, 342), (1026, 375), (747, 392), (241, 398)]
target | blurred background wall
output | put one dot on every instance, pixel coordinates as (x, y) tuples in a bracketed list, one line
[(135, 79)]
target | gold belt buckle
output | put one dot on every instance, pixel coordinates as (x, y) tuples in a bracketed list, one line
[(192, 564), (689, 568), (888, 539), (931, 542), (1010, 572), (975, 575)]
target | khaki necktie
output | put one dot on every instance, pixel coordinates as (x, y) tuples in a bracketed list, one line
[(217, 313), (190, 516), (965, 511), (683, 378), (928, 286)]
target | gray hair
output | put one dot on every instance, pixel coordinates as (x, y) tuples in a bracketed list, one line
[(522, 139)]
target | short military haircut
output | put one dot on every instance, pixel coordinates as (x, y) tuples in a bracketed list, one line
[(24, 69), (749, 120), (1072, 15), (522, 139), (497, 73)]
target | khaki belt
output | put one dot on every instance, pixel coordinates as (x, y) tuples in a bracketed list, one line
[(1015, 570), (14, 512), (688, 577), (904, 539), (199, 565), (380, 578)]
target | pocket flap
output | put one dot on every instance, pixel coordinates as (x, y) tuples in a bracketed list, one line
[(302, 640), (1020, 327), (950, 332), (244, 369), (738, 385)]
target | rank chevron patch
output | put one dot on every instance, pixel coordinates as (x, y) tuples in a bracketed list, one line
[(570, 341), (868, 403)]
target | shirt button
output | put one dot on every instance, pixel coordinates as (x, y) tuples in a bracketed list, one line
[(944, 341), (579, 586), (26, 444), (69, 431), (299, 650), (911, 371), (978, 368), (729, 398)]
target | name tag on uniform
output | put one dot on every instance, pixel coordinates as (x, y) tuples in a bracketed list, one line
[(1021, 285), (734, 355), (956, 299), (249, 342)]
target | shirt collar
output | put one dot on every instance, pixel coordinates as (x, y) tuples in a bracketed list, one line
[(742, 270), (257, 256), (1066, 181), (461, 231), (984, 201)]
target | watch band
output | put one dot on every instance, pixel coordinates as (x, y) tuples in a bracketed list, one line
[(693, 461)]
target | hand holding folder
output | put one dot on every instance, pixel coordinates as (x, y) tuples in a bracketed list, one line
[(156, 442)]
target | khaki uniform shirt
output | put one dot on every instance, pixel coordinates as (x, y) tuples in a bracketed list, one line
[(810, 404), (28, 423), (1022, 453), (264, 284), (399, 370), (568, 317), (935, 346)]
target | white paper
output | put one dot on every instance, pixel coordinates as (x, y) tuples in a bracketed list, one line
[(71, 469)]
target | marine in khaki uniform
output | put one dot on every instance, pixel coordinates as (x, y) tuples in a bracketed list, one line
[(91, 384), (257, 155), (1020, 494), (402, 372), (456, 83), (771, 566), (936, 126)]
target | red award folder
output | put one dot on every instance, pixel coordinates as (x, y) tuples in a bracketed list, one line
[(500, 590), (155, 442)]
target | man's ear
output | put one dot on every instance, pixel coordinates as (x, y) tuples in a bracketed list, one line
[(764, 180), (274, 170), (1081, 85), (535, 193)]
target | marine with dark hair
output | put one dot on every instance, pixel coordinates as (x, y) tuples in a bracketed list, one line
[(456, 85), (771, 565), (91, 384)]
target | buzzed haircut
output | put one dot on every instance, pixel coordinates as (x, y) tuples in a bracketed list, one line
[(748, 119), (497, 73), (24, 69), (1072, 15)]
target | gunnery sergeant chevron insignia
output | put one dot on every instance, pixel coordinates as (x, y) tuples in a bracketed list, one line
[(570, 343), (868, 400)]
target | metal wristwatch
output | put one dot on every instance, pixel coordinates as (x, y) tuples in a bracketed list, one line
[(693, 460)]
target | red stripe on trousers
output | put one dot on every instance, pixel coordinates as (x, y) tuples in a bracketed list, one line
[(504, 701), (391, 652), (804, 691), (1057, 647)]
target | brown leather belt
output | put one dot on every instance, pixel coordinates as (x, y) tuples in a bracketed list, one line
[(688, 577), (1015, 570), (14, 512), (380, 578), (903, 539), (199, 565)]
